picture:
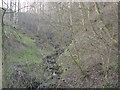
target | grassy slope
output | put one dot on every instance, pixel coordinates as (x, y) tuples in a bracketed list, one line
[(22, 54), (27, 56)]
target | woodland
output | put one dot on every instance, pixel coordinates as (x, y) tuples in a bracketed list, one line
[(59, 44)]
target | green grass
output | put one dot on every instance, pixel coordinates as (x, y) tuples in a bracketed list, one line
[(29, 54), (28, 57), (109, 85), (21, 37), (25, 55), (25, 39)]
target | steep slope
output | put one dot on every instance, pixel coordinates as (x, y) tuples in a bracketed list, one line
[(91, 59), (39, 55), (26, 52)]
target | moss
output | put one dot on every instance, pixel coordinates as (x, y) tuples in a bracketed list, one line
[(109, 85), (26, 40), (108, 25)]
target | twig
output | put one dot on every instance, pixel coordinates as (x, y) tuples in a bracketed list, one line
[(77, 63)]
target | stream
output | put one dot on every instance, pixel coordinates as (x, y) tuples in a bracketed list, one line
[(52, 69)]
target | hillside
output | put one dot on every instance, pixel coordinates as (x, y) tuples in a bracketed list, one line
[(25, 51), (71, 46), (96, 58)]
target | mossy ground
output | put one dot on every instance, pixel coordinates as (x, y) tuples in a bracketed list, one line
[(26, 59)]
